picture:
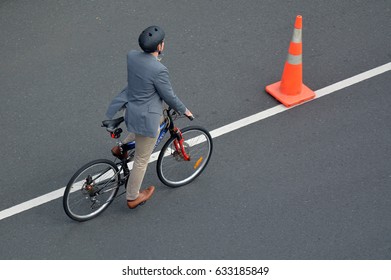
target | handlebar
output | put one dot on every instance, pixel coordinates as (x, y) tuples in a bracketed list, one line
[(172, 112)]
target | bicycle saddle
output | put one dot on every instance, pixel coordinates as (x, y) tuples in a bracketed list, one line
[(111, 125)]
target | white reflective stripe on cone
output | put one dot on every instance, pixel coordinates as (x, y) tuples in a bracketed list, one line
[(294, 59), (296, 38)]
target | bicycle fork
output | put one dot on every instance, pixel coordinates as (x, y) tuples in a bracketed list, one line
[(178, 143)]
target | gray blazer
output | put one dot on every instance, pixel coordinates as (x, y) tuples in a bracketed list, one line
[(148, 86)]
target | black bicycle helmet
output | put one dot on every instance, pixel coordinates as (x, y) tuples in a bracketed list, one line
[(150, 38)]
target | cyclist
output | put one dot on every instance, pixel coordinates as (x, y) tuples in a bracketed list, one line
[(148, 86)]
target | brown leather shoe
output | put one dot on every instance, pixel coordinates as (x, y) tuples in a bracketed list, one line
[(142, 197), (117, 153)]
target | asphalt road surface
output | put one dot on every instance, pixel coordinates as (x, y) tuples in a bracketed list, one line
[(313, 182)]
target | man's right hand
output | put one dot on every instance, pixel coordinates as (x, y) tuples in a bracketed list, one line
[(189, 115)]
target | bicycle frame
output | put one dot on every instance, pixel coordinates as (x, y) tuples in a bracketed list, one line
[(166, 126)]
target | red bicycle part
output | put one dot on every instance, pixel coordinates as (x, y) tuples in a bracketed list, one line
[(179, 145)]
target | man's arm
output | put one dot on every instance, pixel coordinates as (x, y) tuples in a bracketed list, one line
[(117, 103), (165, 91)]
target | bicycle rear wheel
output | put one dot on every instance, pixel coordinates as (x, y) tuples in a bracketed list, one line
[(172, 169), (91, 190)]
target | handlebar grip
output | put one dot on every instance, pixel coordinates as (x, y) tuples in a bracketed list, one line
[(190, 117)]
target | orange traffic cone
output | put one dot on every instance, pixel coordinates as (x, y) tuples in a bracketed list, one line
[(290, 90)]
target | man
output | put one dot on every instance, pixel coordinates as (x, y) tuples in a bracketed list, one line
[(148, 86)]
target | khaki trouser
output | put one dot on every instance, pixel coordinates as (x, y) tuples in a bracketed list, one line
[(144, 148)]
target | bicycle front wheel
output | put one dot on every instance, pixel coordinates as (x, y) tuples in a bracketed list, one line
[(91, 190), (173, 170)]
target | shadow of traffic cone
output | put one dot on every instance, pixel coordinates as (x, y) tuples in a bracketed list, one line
[(290, 90)]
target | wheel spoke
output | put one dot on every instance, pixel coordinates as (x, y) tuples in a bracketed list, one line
[(91, 190), (173, 170)]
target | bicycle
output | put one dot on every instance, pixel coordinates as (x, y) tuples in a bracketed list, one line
[(95, 185)]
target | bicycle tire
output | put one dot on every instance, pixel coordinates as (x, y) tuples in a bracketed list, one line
[(173, 170), (91, 190)]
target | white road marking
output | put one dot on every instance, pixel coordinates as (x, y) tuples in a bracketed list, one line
[(215, 133), (319, 93)]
